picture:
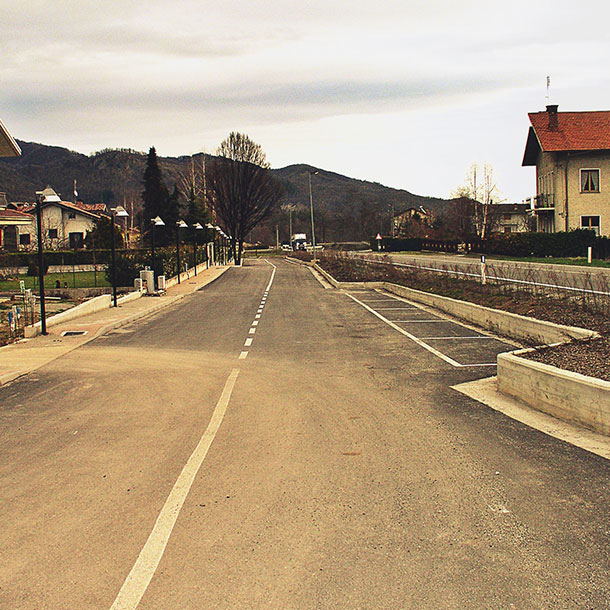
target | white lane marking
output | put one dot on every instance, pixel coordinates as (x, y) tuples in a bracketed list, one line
[(243, 356), (397, 308), (272, 276), (455, 337), (148, 560), (255, 323), (406, 334), (417, 340), (252, 331), (413, 320), (257, 316), (248, 342)]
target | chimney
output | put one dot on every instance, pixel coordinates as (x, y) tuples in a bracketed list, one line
[(552, 112)]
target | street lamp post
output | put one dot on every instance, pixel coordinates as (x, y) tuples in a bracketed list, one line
[(180, 224), (119, 212), (197, 227), (211, 227), (313, 231), (43, 315), (156, 222)]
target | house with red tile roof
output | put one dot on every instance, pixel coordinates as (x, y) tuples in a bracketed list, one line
[(64, 224), (571, 153)]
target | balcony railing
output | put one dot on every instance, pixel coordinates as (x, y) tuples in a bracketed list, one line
[(545, 201)]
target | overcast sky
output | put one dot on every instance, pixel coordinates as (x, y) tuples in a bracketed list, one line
[(407, 93)]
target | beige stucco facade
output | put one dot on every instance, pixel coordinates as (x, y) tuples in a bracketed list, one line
[(61, 228), (560, 198)]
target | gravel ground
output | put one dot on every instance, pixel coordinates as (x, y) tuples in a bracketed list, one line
[(591, 357)]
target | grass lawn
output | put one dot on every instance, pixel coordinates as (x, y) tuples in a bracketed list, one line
[(82, 279)]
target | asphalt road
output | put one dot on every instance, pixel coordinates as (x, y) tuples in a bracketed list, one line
[(572, 278), (316, 459)]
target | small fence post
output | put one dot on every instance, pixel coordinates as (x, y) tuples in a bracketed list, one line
[(483, 270)]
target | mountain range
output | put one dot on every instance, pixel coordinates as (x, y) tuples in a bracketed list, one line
[(345, 208)]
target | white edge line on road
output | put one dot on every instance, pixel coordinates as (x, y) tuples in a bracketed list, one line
[(146, 564), (272, 276), (406, 334)]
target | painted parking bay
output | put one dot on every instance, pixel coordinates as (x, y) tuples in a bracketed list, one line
[(456, 343)]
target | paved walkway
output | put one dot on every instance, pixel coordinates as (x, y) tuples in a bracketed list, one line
[(27, 355)]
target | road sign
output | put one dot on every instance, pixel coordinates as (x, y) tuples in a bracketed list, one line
[(378, 236)]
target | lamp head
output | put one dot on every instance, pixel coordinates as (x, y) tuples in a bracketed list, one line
[(120, 211)]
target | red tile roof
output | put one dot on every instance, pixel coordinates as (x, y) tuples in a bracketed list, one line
[(573, 130), (14, 215)]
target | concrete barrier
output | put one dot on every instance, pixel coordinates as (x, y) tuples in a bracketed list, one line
[(528, 330), (522, 328), (185, 275), (90, 306), (563, 394)]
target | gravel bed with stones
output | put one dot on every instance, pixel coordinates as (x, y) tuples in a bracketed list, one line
[(589, 357)]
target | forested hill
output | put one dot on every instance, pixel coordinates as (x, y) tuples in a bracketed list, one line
[(350, 208)]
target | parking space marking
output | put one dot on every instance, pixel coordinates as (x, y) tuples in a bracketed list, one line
[(420, 340), (457, 337)]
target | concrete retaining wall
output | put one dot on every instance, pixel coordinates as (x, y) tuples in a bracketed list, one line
[(522, 328), (90, 306), (562, 394), (528, 330), (185, 275)]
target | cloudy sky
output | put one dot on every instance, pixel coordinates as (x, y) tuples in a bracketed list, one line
[(407, 93)]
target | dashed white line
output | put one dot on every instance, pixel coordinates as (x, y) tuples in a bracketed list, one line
[(252, 331), (248, 342), (255, 323), (243, 355)]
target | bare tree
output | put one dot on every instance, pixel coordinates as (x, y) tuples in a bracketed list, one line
[(242, 190), (481, 188)]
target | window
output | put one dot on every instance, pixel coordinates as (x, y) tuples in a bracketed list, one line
[(52, 233), (589, 181), (25, 239), (590, 222), (76, 240)]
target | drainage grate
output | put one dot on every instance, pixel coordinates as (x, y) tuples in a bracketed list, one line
[(73, 333)]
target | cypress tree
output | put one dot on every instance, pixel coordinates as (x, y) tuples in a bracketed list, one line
[(155, 196)]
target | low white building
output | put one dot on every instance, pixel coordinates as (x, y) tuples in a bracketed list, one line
[(64, 224)]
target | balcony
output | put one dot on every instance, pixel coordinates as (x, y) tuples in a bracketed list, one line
[(542, 202)]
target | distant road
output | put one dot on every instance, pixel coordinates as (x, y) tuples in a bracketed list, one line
[(568, 277)]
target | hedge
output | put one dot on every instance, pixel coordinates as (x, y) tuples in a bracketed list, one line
[(541, 245)]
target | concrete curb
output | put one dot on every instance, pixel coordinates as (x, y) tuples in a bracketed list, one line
[(563, 394)]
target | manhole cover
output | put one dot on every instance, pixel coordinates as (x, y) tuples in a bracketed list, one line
[(73, 333)]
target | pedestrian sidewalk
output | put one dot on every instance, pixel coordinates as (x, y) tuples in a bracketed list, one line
[(27, 355)]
